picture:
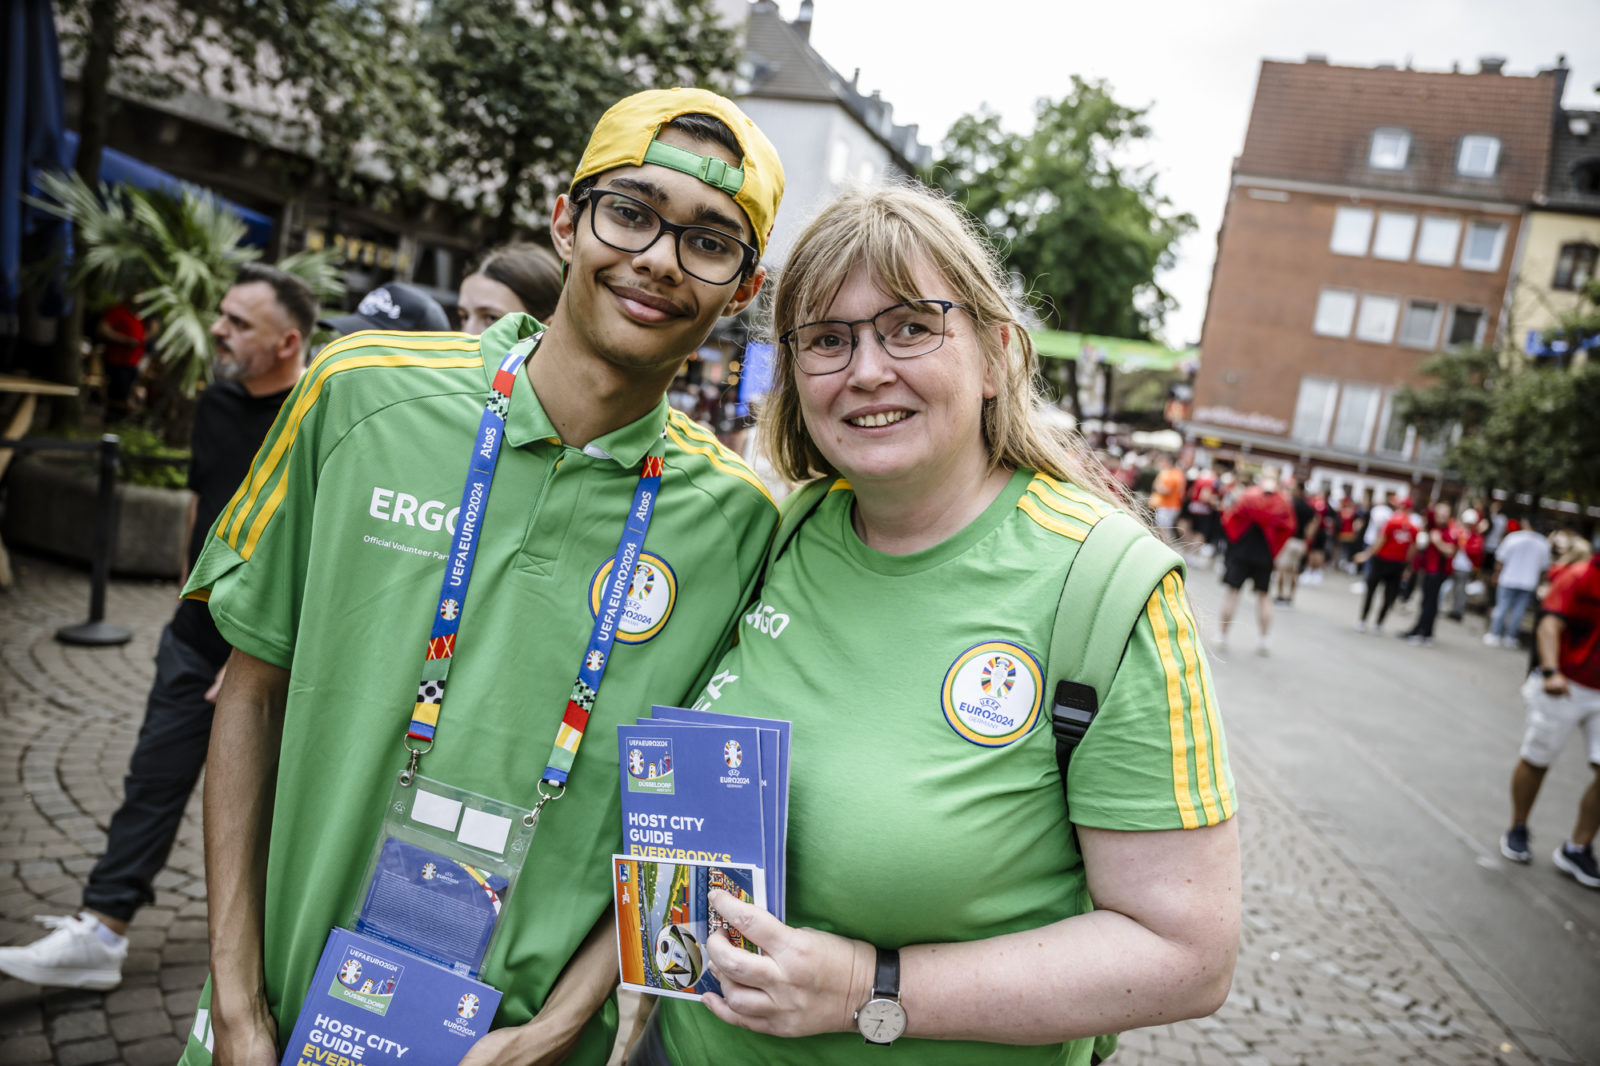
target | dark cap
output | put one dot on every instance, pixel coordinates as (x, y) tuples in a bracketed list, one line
[(395, 307)]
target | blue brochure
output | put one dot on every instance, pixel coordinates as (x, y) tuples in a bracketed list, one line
[(372, 1004), (774, 787), (692, 792)]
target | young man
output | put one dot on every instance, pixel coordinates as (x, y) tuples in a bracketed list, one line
[(1562, 695), (1258, 525), (1291, 557), (1519, 563), (1438, 543), (326, 572), (1391, 550), (259, 335)]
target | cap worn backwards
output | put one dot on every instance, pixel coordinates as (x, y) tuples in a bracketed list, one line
[(626, 136)]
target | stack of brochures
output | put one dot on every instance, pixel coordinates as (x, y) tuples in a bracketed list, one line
[(705, 805)]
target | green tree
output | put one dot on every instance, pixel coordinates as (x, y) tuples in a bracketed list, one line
[(1513, 426), (521, 85), (178, 256), (1085, 232)]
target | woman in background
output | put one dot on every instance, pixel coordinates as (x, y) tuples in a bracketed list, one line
[(511, 277)]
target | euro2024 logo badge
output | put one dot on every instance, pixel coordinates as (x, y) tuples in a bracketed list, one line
[(467, 1006), (652, 593), (650, 766), (732, 754), (992, 693)]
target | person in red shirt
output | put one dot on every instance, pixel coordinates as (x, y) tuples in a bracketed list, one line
[(1435, 555), (1562, 695), (1258, 525), (124, 335), (1389, 554)]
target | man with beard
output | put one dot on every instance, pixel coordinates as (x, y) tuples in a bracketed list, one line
[(260, 337)]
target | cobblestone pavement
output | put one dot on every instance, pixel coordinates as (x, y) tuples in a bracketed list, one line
[(1337, 964)]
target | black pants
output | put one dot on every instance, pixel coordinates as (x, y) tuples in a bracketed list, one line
[(1385, 573), (1432, 584), (166, 763)]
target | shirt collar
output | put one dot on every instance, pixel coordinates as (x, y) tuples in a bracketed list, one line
[(527, 422)]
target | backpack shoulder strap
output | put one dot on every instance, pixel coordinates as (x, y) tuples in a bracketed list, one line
[(792, 513), (1107, 586)]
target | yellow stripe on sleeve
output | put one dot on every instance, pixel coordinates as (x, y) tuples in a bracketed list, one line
[(1175, 715), (1094, 503), (739, 471), (268, 465), (1060, 504), (1028, 506), (1191, 684), (1209, 697)]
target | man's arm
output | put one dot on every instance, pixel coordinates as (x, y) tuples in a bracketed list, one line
[(1548, 637), (246, 735), (578, 993)]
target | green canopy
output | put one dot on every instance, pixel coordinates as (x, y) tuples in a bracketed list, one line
[(1120, 352)]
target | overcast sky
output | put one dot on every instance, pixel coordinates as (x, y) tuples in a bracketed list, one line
[(1194, 63)]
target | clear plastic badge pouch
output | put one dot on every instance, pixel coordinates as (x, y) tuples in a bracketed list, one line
[(442, 869)]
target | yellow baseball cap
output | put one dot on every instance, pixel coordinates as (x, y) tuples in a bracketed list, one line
[(626, 137)]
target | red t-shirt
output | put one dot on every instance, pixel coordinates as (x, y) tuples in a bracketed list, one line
[(125, 322), (1575, 596), (1397, 537), (1432, 560)]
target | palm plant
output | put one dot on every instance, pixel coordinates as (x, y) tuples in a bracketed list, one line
[(178, 255)]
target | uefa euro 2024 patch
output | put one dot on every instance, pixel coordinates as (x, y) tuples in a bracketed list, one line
[(652, 594), (372, 1004), (992, 693)]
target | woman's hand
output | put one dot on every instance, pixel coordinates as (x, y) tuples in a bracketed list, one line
[(804, 982)]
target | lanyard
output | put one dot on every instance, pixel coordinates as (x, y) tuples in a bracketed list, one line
[(441, 651)]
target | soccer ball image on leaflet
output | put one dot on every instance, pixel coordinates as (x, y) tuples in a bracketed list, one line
[(678, 957)]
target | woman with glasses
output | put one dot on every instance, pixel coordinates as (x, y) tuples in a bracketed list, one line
[(941, 892)]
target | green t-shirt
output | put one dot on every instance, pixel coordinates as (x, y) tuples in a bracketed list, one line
[(925, 799), (328, 562)]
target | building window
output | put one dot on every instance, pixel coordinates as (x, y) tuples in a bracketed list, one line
[(1437, 244), (1336, 312), (1481, 250), (1420, 326), (1466, 327), (1586, 176), (1478, 156), (1377, 320), (838, 161), (1575, 266), (1358, 411), (1389, 149), (1313, 412), (1352, 227), (1395, 233), (1394, 436)]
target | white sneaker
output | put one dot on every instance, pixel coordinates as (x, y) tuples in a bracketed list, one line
[(1361, 625), (73, 956), (1490, 640)]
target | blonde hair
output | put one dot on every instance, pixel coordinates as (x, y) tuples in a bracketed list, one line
[(891, 230)]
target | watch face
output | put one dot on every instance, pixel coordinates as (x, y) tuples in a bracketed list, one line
[(881, 1020)]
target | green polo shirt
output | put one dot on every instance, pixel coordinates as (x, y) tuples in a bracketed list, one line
[(328, 563)]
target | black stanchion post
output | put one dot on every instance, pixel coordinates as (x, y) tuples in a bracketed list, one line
[(97, 632)]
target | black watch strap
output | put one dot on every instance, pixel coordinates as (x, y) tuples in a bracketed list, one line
[(886, 978)]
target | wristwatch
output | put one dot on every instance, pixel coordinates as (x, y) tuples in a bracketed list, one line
[(882, 1019), (1546, 673)]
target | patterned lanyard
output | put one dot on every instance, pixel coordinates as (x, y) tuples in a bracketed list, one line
[(419, 736)]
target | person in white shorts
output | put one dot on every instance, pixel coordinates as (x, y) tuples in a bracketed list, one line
[(1563, 695)]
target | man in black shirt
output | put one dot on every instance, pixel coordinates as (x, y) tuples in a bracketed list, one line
[(260, 337), (1290, 559)]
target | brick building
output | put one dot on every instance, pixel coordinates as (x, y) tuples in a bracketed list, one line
[(1373, 219)]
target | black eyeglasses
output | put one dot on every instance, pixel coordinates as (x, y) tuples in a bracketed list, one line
[(905, 330), (631, 225)]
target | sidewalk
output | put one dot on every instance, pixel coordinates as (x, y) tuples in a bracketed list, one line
[(1337, 964)]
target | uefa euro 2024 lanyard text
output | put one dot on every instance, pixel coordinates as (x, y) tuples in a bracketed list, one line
[(456, 849)]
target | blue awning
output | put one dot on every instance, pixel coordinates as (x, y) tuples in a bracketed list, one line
[(119, 168), (1538, 347)]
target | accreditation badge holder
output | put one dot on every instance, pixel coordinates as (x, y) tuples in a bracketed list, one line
[(441, 871)]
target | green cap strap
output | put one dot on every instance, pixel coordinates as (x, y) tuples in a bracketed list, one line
[(709, 169)]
